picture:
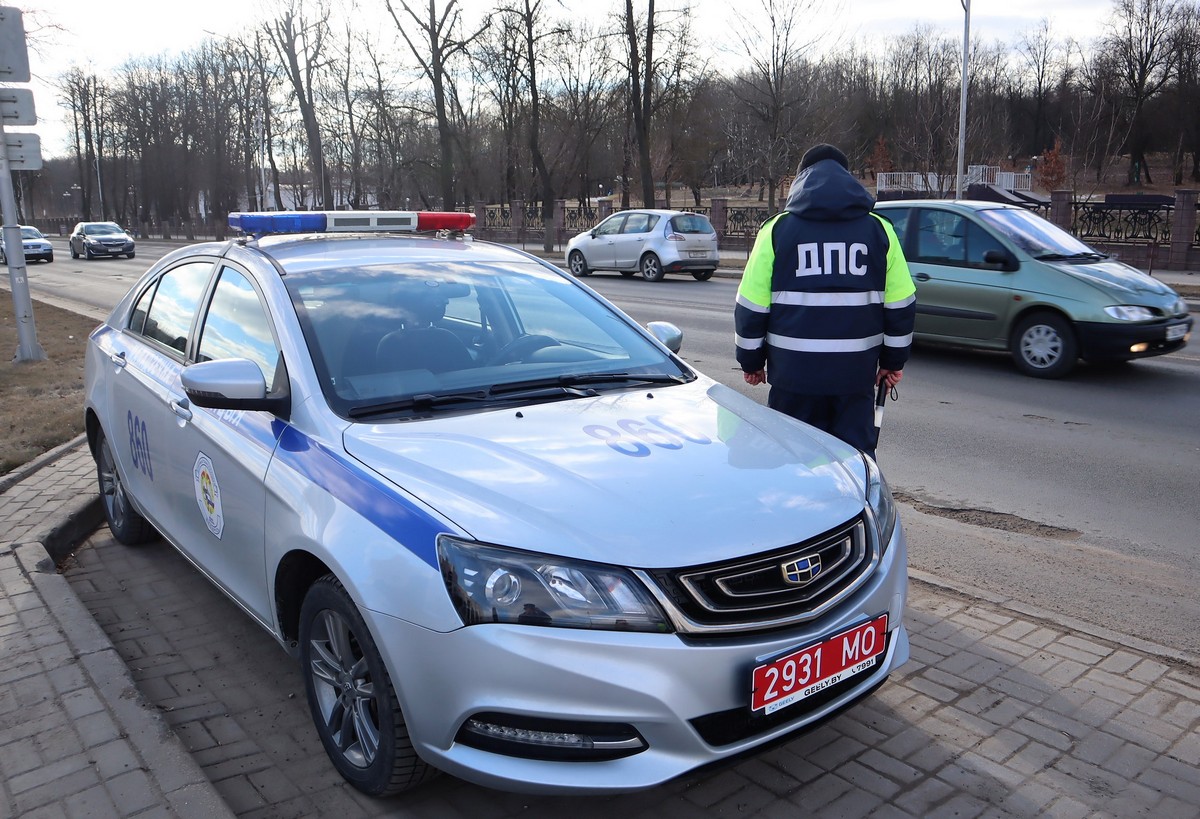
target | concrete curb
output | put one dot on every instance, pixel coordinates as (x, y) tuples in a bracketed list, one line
[(9, 479)]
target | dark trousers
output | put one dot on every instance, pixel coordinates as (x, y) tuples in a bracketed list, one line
[(848, 417)]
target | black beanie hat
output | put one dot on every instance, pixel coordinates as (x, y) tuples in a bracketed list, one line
[(823, 151)]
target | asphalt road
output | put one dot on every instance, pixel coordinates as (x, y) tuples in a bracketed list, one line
[(1074, 496)]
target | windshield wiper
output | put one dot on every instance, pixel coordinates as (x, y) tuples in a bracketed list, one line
[(556, 387), (1066, 257), (586, 379), (419, 401)]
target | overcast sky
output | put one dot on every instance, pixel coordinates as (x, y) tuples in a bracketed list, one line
[(74, 34)]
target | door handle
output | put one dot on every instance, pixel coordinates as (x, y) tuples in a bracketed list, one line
[(118, 359), (180, 408), (922, 277)]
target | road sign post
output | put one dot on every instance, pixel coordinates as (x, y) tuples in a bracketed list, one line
[(17, 151)]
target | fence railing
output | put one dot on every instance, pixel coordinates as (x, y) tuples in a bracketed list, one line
[(1123, 224), (929, 182)]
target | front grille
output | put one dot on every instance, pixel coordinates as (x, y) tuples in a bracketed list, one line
[(776, 588), (737, 724)]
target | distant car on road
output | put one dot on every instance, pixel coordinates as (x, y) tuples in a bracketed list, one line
[(650, 242), (92, 239), (507, 532), (1000, 277), (37, 247)]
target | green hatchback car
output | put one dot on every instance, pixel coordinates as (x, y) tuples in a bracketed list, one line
[(1000, 277)]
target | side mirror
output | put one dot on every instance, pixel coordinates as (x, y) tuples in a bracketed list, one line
[(234, 384), (1002, 259), (667, 334)]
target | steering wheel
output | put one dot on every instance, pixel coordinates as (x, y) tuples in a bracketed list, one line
[(521, 346)]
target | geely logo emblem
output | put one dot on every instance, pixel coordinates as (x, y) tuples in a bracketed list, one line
[(803, 571)]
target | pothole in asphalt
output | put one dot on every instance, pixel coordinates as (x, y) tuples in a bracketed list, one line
[(993, 520)]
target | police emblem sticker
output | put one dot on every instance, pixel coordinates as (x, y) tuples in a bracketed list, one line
[(208, 494)]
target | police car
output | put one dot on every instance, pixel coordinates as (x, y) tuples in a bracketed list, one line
[(507, 532)]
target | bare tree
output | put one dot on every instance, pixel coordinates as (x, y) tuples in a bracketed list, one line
[(1037, 51), (1139, 38), (299, 41), (442, 43), (774, 89)]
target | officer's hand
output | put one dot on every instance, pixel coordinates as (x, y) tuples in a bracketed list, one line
[(892, 377), (755, 378)]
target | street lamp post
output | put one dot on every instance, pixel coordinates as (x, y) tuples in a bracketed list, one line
[(962, 100)]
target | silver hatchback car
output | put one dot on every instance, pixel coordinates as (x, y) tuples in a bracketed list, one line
[(650, 242), (421, 463)]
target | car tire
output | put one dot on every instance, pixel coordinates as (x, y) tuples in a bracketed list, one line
[(1043, 345), (651, 267), (125, 523), (49, 258), (130, 254), (87, 253), (703, 275), (578, 264), (351, 698), (74, 255)]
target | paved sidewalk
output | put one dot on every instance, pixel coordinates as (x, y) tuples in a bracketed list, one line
[(131, 687), (76, 736)]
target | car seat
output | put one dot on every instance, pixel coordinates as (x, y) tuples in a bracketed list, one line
[(422, 345)]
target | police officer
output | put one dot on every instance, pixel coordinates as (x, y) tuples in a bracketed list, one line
[(826, 305)]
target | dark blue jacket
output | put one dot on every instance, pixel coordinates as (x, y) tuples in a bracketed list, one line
[(826, 298)]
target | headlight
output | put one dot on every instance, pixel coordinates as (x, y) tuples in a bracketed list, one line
[(489, 584), (1181, 308), (881, 502), (1129, 312)]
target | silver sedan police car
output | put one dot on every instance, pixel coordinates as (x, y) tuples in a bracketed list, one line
[(508, 533)]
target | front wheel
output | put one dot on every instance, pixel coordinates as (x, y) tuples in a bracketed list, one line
[(703, 275), (651, 267), (350, 695), (1043, 345), (578, 264), (125, 523), (74, 254), (130, 254)]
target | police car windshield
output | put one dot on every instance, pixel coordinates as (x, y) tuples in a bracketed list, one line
[(386, 337)]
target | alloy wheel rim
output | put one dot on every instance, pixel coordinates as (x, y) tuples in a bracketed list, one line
[(344, 689), (111, 488)]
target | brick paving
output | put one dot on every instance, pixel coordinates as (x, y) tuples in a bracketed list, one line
[(130, 686)]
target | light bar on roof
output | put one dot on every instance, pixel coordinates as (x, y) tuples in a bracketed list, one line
[(263, 223)]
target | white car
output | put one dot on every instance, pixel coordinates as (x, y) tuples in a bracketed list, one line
[(650, 242), (508, 533), (35, 246)]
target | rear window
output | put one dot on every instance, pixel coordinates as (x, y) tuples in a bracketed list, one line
[(691, 223)]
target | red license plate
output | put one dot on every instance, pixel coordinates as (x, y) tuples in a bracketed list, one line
[(806, 671)]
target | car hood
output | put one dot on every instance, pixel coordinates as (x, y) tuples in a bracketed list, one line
[(645, 478), (1120, 279)]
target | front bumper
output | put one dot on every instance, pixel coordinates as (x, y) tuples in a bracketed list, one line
[(687, 697), (110, 250), (1111, 341)]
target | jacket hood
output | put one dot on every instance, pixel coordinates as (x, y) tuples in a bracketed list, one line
[(677, 476), (828, 192)]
